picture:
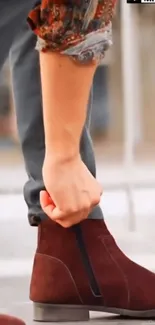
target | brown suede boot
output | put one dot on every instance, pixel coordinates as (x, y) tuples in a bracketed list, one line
[(81, 269), (9, 320)]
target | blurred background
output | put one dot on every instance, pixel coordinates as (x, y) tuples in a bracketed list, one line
[(123, 131)]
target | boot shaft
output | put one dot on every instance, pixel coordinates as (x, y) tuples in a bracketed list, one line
[(59, 264)]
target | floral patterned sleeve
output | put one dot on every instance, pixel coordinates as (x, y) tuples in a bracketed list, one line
[(78, 28)]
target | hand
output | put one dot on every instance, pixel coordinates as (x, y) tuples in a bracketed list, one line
[(71, 191)]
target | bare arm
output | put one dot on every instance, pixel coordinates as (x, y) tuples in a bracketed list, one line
[(65, 90), (71, 190)]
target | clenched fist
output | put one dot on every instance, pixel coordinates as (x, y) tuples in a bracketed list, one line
[(71, 191)]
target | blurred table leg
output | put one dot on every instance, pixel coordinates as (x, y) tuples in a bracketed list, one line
[(131, 94)]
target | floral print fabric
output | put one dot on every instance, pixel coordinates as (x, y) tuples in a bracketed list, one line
[(79, 28)]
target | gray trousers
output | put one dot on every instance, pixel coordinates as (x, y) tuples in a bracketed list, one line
[(18, 42)]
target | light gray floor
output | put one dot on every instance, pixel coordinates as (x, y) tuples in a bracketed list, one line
[(13, 299)]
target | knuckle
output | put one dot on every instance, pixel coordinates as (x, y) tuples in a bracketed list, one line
[(65, 207), (67, 224), (76, 209), (70, 210), (87, 206), (85, 216), (96, 200), (67, 210), (84, 205)]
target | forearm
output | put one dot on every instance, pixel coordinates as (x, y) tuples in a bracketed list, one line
[(81, 32), (65, 91)]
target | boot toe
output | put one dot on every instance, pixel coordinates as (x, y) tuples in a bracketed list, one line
[(142, 289)]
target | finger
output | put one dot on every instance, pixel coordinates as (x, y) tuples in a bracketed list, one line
[(57, 214), (48, 210), (46, 203), (95, 202), (73, 219), (97, 197), (45, 198), (49, 207)]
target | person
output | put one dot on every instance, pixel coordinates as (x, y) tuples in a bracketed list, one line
[(78, 266)]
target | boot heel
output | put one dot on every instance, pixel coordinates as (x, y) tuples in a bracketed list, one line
[(59, 313)]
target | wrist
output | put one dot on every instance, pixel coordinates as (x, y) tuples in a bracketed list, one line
[(62, 147), (61, 156)]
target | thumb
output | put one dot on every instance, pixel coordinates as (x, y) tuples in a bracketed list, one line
[(46, 203)]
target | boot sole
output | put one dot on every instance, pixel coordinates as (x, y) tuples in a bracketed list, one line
[(69, 313)]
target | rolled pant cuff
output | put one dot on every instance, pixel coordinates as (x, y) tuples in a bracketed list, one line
[(36, 218), (81, 29), (93, 48)]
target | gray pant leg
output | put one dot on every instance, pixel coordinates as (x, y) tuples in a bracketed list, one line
[(10, 20), (87, 154), (27, 94), (24, 62)]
